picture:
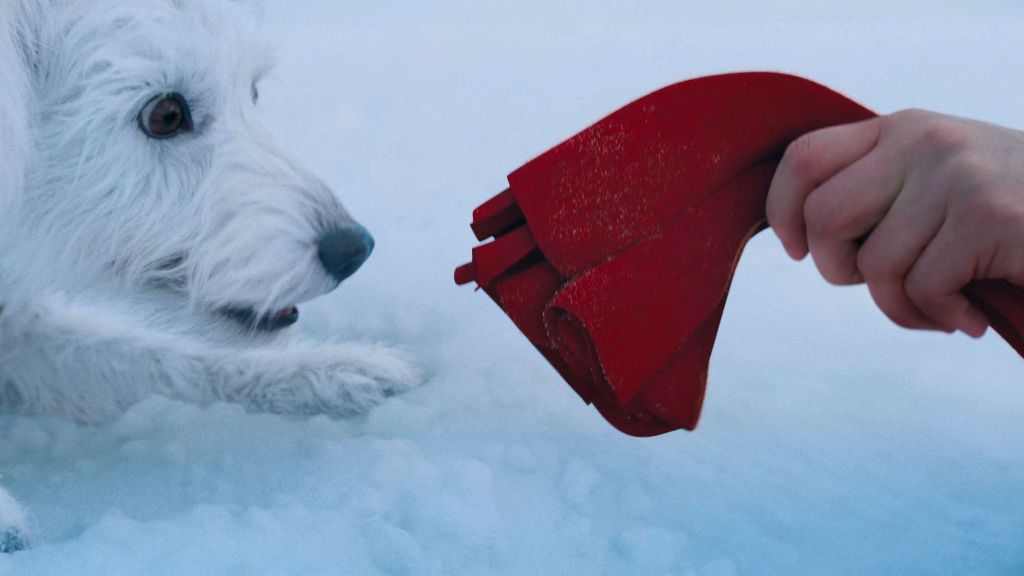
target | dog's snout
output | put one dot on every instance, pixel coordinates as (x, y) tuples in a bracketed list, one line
[(343, 251)]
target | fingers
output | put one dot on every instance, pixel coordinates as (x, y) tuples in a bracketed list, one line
[(809, 161), (915, 204), (936, 281), (843, 210), (896, 243)]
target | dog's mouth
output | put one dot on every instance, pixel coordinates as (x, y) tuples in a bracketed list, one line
[(269, 322)]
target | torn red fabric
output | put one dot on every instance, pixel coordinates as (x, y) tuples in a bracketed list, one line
[(614, 251)]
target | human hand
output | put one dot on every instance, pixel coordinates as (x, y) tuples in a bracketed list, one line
[(916, 204)]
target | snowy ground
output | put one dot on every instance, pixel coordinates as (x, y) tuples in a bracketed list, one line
[(832, 442)]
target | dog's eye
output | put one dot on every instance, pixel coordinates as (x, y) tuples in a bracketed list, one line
[(165, 116)]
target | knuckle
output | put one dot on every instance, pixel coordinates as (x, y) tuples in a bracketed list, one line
[(978, 208), (967, 175), (831, 277), (924, 293), (818, 214), (903, 125), (894, 304), (776, 211), (901, 317), (908, 116), (872, 266), (834, 272), (803, 157), (941, 137), (826, 220), (890, 123), (903, 321)]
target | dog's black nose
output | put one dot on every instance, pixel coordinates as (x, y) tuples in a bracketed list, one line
[(344, 250)]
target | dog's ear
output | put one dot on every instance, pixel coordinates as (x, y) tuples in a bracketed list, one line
[(26, 29), (20, 31)]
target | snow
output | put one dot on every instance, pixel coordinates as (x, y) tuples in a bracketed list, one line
[(832, 442)]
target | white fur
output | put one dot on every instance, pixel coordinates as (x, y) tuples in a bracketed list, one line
[(118, 250)]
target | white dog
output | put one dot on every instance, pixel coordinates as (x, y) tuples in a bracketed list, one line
[(153, 237)]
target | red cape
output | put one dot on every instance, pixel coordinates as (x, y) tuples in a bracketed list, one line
[(614, 251)]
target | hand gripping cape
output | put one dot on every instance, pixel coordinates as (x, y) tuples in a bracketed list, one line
[(614, 251)]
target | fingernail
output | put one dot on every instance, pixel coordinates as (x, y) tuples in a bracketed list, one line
[(974, 333), (974, 324), (797, 254)]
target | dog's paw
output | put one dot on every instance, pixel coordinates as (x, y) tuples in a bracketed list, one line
[(12, 540), (336, 380), (13, 535), (361, 377)]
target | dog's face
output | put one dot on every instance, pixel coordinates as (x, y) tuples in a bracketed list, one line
[(149, 164)]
